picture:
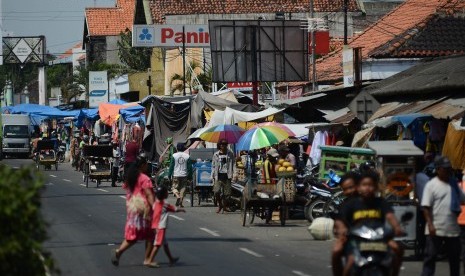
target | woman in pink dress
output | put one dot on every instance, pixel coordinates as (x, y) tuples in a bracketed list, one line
[(139, 202)]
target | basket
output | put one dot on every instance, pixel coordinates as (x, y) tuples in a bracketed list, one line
[(286, 174), (289, 188)]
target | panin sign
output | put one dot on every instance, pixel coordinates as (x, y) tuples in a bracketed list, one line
[(170, 36), (98, 88)]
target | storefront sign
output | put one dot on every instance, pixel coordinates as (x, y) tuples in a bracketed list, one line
[(170, 36), (98, 88)]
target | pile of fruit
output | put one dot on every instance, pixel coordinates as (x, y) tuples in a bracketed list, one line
[(284, 166)]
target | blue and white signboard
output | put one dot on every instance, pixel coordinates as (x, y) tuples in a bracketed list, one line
[(98, 88), (143, 36)]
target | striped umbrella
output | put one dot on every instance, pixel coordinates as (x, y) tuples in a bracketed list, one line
[(289, 132), (231, 133), (260, 137)]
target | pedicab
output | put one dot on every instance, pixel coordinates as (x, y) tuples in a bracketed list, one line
[(201, 187), (396, 163), (46, 155), (97, 165)]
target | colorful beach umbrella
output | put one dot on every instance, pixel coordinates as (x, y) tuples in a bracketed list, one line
[(231, 133), (290, 132), (260, 137)]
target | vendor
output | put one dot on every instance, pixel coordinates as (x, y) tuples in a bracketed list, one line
[(269, 167), (285, 154)]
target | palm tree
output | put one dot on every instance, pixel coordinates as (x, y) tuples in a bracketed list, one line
[(204, 78)]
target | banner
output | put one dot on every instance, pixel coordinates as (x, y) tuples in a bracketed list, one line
[(98, 88), (170, 35)]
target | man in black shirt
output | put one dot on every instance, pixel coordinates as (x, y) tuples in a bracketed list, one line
[(367, 209)]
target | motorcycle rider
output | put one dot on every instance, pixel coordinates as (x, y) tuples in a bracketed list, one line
[(348, 185), (367, 209)]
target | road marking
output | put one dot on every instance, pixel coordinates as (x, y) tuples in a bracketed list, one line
[(53, 175), (248, 251), (83, 185), (67, 180), (300, 273), (123, 197), (176, 217), (111, 244), (103, 190), (49, 184), (214, 234)]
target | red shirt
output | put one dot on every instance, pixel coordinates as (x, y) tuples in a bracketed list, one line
[(132, 149), (160, 214)]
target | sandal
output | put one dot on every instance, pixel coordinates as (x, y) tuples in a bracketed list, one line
[(174, 261), (114, 257), (152, 265)]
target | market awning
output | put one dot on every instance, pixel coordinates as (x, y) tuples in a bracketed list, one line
[(395, 148)]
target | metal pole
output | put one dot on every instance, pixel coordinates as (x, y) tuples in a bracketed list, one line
[(184, 59), (345, 22), (254, 69), (313, 47)]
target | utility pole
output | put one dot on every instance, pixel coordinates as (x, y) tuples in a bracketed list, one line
[(312, 35), (184, 59), (345, 22), (149, 81)]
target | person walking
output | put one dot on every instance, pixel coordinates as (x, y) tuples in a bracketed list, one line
[(441, 205), (130, 154), (115, 163), (139, 202), (180, 172), (159, 224), (223, 168)]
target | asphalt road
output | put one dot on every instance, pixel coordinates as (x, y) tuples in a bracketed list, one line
[(85, 224)]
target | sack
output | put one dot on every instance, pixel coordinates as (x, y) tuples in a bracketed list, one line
[(136, 204), (321, 228)]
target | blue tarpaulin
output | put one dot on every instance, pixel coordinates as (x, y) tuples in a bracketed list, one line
[(133, 114), (407, 119), (117, 101)]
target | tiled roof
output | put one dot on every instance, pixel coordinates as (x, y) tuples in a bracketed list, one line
[(440, 36), (160, 8), (404, 18), (110, 21)]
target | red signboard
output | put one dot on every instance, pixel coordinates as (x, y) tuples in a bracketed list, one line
[(240, 85), (321, 42)]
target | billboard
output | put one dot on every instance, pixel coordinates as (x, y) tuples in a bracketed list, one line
[(258, 50), (170, 36), (98, 88), (22, 50)]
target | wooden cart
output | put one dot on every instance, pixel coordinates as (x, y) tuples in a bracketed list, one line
[(97, 164), (201, 188), (283, 194)]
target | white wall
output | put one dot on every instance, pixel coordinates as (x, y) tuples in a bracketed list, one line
[(378, 69)]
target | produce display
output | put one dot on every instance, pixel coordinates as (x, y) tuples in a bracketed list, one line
[(284, 166)]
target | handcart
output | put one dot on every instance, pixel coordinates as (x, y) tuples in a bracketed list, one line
[(261, 200), (201, 189), (396, 162), (97, 165), (46, 155)]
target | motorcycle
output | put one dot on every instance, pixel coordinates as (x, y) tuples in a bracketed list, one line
[(61, 152), (372, 255), (321, 192)]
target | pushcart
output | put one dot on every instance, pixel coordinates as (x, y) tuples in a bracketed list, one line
[(396, 161), (97, 165), (201, 188), (46, 155), (261, 200)]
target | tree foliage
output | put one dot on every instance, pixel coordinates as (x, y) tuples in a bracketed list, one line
[(22, 228), (205, 79), (135, 58)]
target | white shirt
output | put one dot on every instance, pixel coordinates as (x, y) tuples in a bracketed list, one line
[(437, 196), (180, 164)]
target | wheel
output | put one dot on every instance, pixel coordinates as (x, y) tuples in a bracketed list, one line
[(333, 204), (246, 213), (314, 210)]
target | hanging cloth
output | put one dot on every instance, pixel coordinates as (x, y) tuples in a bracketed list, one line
[(315, 152)]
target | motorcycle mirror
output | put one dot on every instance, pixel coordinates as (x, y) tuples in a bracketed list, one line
[(406, 216)]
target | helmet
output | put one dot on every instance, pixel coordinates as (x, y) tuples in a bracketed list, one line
[(367, 166), (161, 192), (86, 138)]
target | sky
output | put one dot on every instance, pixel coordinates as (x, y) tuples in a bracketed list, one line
[(60, 21)]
